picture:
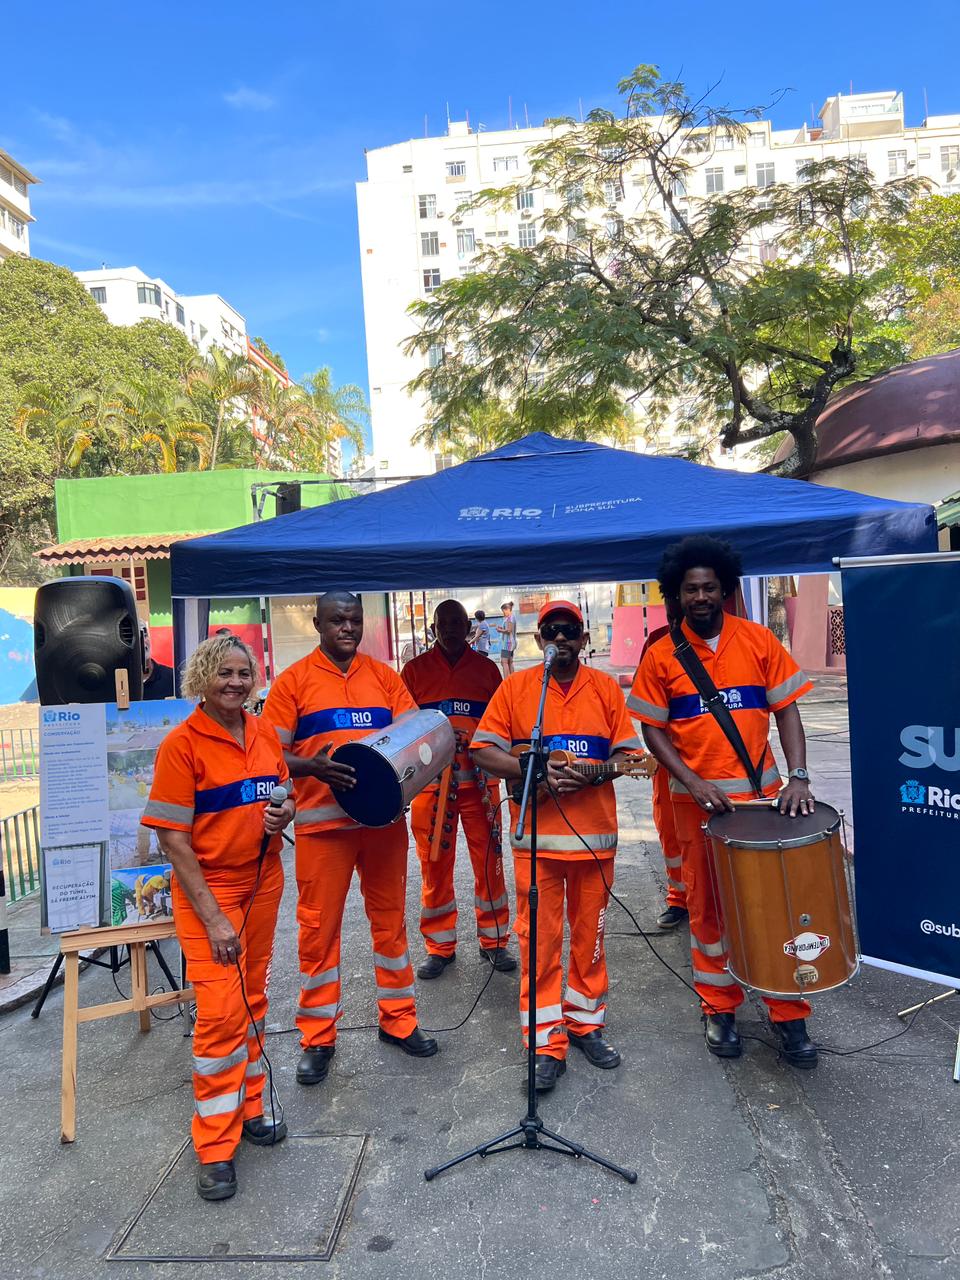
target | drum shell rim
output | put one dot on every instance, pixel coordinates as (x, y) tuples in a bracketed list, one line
[(797, 842), (803, 993)]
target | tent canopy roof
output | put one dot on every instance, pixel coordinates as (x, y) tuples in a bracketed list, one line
[(546, 510)]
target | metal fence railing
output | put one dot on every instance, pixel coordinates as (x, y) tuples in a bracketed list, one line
[(19, 754), (20, 834)]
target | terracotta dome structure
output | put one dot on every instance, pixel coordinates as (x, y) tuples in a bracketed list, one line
[(896, 435)]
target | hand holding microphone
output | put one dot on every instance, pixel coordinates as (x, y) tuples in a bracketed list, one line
[(277, 813)]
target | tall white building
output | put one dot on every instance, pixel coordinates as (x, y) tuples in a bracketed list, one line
[(126, 295), (15, 215), (413, 235)]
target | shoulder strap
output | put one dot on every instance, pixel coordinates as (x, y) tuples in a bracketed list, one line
[(688, 658)]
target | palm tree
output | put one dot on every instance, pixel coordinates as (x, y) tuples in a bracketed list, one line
[(340, 413), (93, 419), (160, 421), (232, 385), (283, 418)]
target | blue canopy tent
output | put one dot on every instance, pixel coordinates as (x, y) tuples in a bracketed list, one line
[(546, 510)]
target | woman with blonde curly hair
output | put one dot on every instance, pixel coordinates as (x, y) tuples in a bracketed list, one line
[(209, 804)]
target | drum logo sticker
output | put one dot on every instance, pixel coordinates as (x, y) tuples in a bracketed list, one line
[(807, 946)]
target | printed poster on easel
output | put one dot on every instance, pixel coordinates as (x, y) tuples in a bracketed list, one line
[(100, 867)]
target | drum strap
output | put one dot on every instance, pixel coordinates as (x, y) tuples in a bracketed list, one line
[(688, 658)]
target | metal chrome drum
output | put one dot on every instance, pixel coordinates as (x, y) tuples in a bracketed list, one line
[(785, 899), (395, 764)]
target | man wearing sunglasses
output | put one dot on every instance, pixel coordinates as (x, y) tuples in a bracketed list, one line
[(584, 716)]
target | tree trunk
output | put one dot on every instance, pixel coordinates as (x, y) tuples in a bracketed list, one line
[(778, 588)]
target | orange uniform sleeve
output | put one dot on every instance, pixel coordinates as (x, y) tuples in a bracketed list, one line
[(171, 800), (280, 709), (409, 677), (648, 701), (623, 736), (785, 682), (496, 727)]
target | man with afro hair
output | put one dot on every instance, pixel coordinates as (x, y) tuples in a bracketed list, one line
[(755, 676)]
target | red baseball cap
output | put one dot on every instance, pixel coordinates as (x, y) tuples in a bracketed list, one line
[(559, 606)]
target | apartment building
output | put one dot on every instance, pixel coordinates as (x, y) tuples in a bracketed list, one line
[(414, 233), (127, 295), (15, 215)]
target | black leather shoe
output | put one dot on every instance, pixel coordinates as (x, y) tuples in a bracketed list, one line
[(216, 1181), (262, 1132), (596, 1050), (500, 958), (795, 1045), (315, 1063), (722, 1035), (548, 1072), (416, 1043), (434, 966), (672, 917)]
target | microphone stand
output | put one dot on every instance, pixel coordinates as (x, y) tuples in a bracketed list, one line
[(531, 1131)]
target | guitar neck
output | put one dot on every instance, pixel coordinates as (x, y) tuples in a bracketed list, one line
[(605, 770)]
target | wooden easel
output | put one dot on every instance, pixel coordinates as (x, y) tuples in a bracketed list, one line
[(137, 937)]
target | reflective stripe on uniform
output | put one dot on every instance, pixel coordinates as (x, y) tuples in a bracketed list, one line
[(548, 1013), (254, 1027), (707, 948), (395, 993), (628, 744), (587, 1019), (326, 813), (676, 884), (319, 1010), (442, 935), (544, 1038), (482, 904), (212, 1066), (320, 979), (605, 840), (391, 962), (165, 812), (731, 786), (575, 997), (494, 739), (492, 932), (644, 708), (430, 913), (790, 685), (285, 735), (255, 1069), (713, 979), (222, 1104)]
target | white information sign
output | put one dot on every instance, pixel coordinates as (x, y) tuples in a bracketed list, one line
[(73, 778), (71, 879)]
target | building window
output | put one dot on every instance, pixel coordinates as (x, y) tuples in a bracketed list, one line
[(525, 199), (803, 169), (98, 293), (166, 307), (429, 243), (427, 206), (5, 174), (714, 181), (723, 142), (441, 461), (17, 227), (456, 168), (678, 187), (765, 176), (435, 355), (148, 294), (675, 224), (466, 241), (19, 186), (135, 575), (505, 164), (528, 235), (573, 194), (577, 231), (181, 318), (756, 138), (896, 164), (408, 168), (463, 197), (769, 251), (612, 191), (949, 159), (613, 227), (431, 279)]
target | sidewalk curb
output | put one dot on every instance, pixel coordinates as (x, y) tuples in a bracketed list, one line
[(30, 985)]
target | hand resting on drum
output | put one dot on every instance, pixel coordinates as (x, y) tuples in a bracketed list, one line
[(339, 777), (796, 797)]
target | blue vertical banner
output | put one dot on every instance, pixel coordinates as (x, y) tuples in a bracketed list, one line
[(902, 626)]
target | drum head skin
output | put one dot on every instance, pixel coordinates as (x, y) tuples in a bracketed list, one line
[(377, 799), (763, 826)]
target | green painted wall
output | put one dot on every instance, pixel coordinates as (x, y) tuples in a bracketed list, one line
[(223, 613), (185, 502)]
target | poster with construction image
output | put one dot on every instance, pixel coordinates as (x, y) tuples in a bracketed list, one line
[(96, 771)]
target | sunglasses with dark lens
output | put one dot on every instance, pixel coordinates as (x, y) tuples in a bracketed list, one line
[(554, 630)]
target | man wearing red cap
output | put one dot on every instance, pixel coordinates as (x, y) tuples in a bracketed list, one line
[(586, 717)]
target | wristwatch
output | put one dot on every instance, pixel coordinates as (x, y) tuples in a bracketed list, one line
[(799, 773)]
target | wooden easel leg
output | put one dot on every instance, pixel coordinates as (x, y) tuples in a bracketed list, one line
[(138, 970), (68, 1080)]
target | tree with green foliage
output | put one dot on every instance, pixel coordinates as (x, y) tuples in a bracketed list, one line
[(747, 307), (229, 386)]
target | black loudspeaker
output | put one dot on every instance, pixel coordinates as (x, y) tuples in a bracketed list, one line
[(85, 630), (288, 497)]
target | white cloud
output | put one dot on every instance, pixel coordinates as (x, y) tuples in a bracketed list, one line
[(244, 98)]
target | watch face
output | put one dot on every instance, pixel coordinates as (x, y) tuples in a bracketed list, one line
[(799, 773)]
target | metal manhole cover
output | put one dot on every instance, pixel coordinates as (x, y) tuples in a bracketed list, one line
[(291, 1202)]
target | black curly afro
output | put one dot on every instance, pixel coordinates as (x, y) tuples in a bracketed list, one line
[(699, 551)]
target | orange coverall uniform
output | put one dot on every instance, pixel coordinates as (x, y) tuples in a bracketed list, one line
[(755, 675), (209, 786), (589, 720), (663, 818), (312, 704), (461, 690)]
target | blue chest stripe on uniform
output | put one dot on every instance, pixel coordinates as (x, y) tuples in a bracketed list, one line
[(743, 697), (584, 746), (457, 707), (330, 719), (235, 794)]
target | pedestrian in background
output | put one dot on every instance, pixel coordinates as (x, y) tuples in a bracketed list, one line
[(508, 643)]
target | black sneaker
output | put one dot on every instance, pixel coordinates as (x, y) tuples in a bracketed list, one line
[(500, 958), (216, 1181), (262, 1132), (314, 1064), (596, 1050), (434, 966), (795, 1045), (672, 917)]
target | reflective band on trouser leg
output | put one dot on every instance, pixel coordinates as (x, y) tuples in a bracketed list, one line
[(718, 991), (438, 909), (382, 864), (486, 855), (325, 864), (258, 938), (551, 1038), (667, 831), (584, 1001)]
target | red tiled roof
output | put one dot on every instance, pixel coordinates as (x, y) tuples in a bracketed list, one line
[(131, 546)]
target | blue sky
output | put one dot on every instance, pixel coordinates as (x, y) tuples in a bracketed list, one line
[(218, 145)]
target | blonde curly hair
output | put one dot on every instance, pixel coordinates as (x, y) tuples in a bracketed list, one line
[(203, 664)]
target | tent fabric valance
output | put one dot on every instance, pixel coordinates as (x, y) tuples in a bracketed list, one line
[(546, 510)]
